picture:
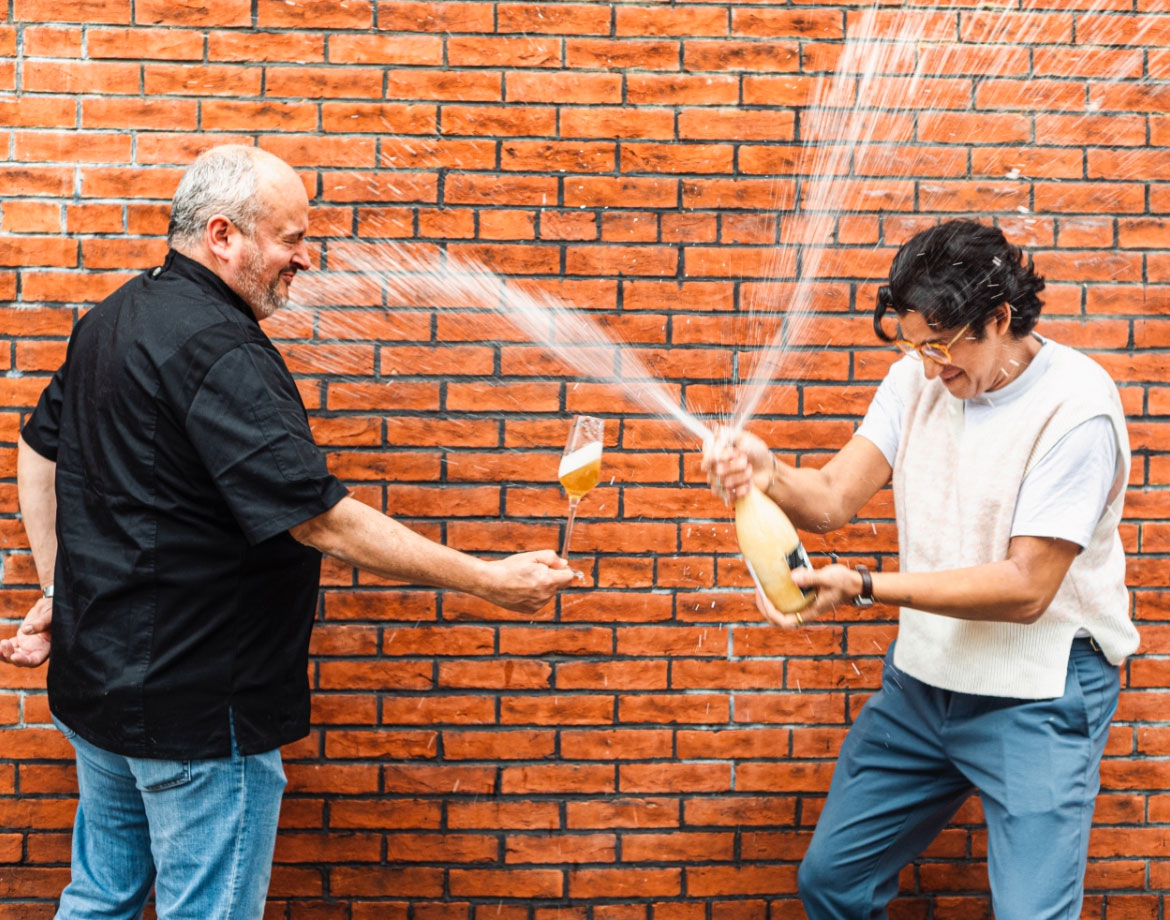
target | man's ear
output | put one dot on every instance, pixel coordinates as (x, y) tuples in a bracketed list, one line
[(219, 236)]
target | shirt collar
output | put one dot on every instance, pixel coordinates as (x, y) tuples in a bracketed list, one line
[(1018, 387), (186, 267)]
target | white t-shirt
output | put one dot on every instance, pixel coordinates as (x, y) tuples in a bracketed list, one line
[(1063, 495)]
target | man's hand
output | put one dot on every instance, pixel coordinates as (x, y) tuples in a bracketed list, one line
[(30, 646), (733, 465), (527, 581), (835, 584)]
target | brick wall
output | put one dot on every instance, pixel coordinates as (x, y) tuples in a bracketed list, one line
[(645, 749)]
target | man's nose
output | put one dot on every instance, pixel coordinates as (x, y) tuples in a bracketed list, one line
[(301, 257), (931, 368)]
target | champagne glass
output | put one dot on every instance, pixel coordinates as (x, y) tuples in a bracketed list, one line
[(580, 465)]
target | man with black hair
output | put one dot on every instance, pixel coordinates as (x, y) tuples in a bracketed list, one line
[(1009, 458)]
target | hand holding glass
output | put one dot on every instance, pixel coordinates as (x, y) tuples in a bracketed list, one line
[(580, 465)]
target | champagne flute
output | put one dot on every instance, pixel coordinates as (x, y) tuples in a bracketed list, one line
[(580, 466)]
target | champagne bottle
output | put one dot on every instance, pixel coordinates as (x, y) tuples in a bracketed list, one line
[(771, 548)]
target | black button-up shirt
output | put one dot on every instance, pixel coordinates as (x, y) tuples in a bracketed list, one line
[(183, 457)]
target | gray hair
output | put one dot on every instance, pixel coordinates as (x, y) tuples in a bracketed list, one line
[(221, 181)]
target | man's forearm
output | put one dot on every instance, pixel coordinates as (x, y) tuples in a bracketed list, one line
[(36, 488), (365, 538)]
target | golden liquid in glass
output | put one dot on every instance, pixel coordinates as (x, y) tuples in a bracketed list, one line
[(580, 470)]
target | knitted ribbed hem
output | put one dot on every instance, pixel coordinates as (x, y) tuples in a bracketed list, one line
[(999, 659)]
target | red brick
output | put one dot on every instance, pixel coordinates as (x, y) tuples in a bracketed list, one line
[(375, 881), (564, 848), (45, 41), (1030, 95), (725, 880), (554, 18), (690, 21), (600, 121), (82, 77), (34, 250), (512, 883), (1122, 130), (561, 779), (355, 14), (515, 814), (149, 44), (1112, 29), (82, 11), (696, 124), (38, 112), (993, 59), (674, 777), (334, 83), (1017, 28), (605, 54), (603, 192), (495, 51), (30, 217), (587, 89), (670, 89), (778, 57), (611, 883), (280, 47), (196, 80), (508, 122), (411, 16), (618, 675), (137, 113), (765, 23), (194, 12)]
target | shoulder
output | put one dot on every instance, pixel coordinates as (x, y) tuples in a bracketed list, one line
[(905, 376), (1078, 375), (906, 384)]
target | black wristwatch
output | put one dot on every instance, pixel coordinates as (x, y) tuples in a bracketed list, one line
[(865, 598)]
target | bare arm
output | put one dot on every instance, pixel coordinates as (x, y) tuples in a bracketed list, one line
[(1016, 590), (817, 500), (370, 540), (820, 500), (35, 483)]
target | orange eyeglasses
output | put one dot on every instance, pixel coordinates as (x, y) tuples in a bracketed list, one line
[(938, 352)]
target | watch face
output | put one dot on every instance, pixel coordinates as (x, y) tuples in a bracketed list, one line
[(863, 601)]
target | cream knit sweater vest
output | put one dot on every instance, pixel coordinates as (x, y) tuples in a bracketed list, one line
[(955, 498)]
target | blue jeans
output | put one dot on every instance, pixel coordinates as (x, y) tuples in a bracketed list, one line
[(201, 831), (917, 752)]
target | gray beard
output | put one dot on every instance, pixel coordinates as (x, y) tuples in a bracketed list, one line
[(263, 299)]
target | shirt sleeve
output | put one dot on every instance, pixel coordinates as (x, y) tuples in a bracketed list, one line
[(42, 429), (248, 424), (1065, 493), (883, 420)]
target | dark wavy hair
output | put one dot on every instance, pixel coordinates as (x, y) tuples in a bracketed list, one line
[(957, 273)]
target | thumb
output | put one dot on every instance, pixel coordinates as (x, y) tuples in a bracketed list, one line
[(801, 577)]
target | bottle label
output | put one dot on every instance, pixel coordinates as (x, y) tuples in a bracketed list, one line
[(798, 558)]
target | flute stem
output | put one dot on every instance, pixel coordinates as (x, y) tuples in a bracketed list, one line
[(569, 527)]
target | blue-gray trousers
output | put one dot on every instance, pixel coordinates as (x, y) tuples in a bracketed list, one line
[(917, 752)]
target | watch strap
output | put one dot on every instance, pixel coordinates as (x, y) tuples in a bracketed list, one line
[(865, 598)]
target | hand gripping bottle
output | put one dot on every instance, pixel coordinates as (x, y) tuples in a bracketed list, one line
[(772, 549)]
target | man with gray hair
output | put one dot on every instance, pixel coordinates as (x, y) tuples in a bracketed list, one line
[(177, 508)]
